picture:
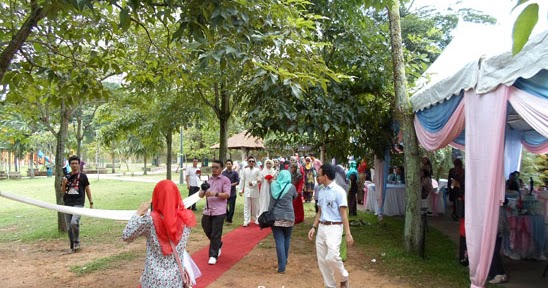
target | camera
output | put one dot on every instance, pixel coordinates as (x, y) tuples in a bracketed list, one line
[(205, 186)]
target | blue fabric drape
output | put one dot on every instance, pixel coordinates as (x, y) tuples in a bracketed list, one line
[(533, 138), (536, 85), (434, 118), (512, 151)]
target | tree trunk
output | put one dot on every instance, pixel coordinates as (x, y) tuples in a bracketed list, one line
[(145, 165), (79, 135), (61, 138), (113, 162), (224, 115), (31, 164), (169, 142), (413, 231), (36, 14)]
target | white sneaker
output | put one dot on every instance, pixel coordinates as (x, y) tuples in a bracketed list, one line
[(212, 261), (219, 254), (499, 279)]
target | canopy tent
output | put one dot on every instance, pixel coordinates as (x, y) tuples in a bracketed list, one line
[(491, 106), (243, 142)]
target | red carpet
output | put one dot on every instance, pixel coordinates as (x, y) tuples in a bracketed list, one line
[(236, 244)]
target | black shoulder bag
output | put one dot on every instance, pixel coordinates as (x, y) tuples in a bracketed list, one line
[(266, 219)]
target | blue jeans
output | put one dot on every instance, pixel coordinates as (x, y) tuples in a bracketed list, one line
[(282, 238)]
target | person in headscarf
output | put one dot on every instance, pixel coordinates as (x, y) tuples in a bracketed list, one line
[(309, 179), (268, 174), (167, 229), (296, 178), (281, 205), (352, 179)]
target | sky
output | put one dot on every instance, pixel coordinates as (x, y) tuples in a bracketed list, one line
[(496, 8)]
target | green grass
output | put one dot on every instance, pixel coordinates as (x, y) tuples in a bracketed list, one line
[(105, 263), (382, 242)]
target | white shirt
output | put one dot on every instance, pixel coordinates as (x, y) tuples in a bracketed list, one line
[(193, 178), (249, 179)]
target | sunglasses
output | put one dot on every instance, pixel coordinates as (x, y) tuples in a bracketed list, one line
[(251, 161)]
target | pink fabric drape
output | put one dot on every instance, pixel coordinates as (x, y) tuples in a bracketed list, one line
[(452, 129), (531, 108), (485, 126), (379, 180)]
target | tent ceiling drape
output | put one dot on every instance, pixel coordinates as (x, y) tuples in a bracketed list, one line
[(493, 106)]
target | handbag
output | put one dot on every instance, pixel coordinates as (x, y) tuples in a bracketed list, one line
[(266, 219)]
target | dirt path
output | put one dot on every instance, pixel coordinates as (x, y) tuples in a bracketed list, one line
[(46, 264)]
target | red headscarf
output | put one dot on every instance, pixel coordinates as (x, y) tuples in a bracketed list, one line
[(169, 214)]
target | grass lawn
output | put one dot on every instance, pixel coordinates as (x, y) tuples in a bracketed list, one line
[(380, 241)]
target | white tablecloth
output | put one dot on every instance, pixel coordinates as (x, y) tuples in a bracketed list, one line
[(394, 202)]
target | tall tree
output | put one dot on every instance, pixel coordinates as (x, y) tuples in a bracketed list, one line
[(413, 233), (61, 67)]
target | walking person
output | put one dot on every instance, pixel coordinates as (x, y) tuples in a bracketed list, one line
[(249, 181), (296, 178), (281, 205), (75, 187), (362, 169), (234, 180), (330, 223), (167, 229), (455, 186), (193, 179), (268, 174), (216, 190), (309, 180)]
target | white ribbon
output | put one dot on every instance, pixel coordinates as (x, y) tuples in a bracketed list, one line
[(123, 215)]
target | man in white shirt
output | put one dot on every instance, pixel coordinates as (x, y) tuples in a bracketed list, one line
[(193, 179), (249, 181), (330, 222)]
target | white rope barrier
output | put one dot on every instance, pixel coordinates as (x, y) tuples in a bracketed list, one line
[(123, 215)]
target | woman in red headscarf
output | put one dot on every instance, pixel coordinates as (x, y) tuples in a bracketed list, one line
[(166, 228)]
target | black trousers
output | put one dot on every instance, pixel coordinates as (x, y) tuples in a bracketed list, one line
[(192, 190), (496, 262), (230, 207), (213, 228)]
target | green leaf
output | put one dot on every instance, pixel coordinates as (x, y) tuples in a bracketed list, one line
[(523, 27), (124, 19)]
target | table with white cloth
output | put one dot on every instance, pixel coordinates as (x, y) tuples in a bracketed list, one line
[(394, 201), (526, 239)]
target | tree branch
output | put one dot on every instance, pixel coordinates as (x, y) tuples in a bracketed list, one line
[(36, 14)]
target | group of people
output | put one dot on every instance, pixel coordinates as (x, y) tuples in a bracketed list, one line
[(167, 226), (278, 189)]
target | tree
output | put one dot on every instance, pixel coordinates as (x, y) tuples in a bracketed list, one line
[(413, 234), (61, 67), (237, 44)]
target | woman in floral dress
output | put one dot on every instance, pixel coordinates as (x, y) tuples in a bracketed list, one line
[(166, 226)]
